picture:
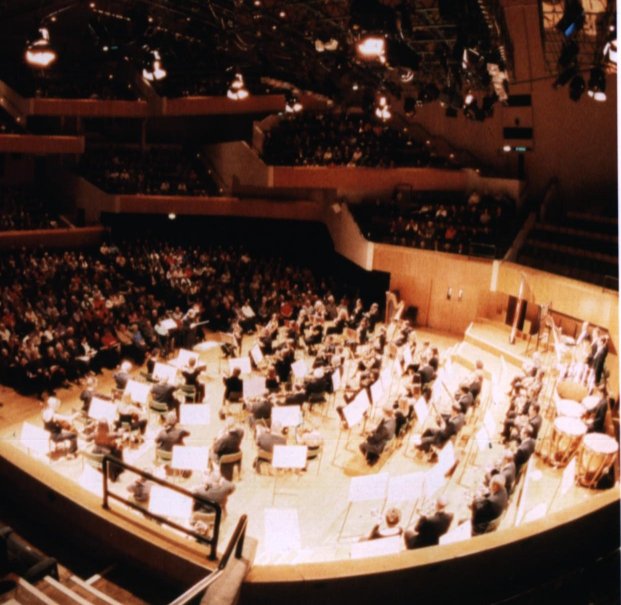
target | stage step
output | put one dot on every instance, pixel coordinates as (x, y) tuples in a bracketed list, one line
[(61, 593), (87, 591), (27, 594), (494, 338)]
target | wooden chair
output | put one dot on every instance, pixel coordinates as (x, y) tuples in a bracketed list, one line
[(228, 463), (262, 456)]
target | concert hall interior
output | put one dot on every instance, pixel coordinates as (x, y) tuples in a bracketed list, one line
[(311, 301)]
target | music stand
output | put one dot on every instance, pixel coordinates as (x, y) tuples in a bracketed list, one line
[(194, 414), (243, 363), (189, 458), (183, 358), (354, 413), (168, 503), (299, 369), (254, 386), (100, 409), (164, 371), (365, 488), (288, 458), (35, 439), (376, 548), (138, 391), (257, 355), (288, 415)]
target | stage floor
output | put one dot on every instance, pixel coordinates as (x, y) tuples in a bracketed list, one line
[(308, 516)]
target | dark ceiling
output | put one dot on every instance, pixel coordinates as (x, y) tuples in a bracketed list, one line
[(425, 42)]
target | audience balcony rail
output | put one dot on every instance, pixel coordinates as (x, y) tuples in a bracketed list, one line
[(211, 541), (41, 144)]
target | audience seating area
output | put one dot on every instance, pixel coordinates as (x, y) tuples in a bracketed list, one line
[(580, 245), (22, 208), (480, 225), (8, 125), (157, 171), (332, 139)]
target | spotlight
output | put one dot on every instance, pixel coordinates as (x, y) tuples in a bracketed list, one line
[(329, 45), (576, 87), (382, 110), (597, 84), (469, 99), (154, 72), (40, 53), (172, 216), (237, 90), (293, 104), (372, 47)]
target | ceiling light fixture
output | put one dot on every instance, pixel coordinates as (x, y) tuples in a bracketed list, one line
[(237, 90), (40, 52), (155, 71), (382, 110), (372, 47)]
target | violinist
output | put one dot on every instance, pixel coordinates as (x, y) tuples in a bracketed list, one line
[(106, 443), (59, 426), (190, 374)]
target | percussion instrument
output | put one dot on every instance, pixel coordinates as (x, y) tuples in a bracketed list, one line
[(568, 389), (567, 434), (591, 402), (569, 408), (597, 454)]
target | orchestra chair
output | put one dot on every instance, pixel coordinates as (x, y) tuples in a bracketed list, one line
[(233, 405), (203, 522), (117, 394), (314, 453), (228, 463), (162, 455), (94, 459), (148, 377), (189, 393), (486, 528), (160, 409), (262, 456)]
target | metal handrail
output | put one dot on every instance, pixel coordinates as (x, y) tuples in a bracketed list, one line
[(212, 542), (236, 542)]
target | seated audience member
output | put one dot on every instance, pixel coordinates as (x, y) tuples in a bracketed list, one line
[(429, 528), (376, 441), (390, 526), (490, 506), (59, 425), (171, 434)]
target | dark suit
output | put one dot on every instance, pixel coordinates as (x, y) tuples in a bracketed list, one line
[(428, 530), (169, 437), (164, 393), (465, 401), (509, 472), (524, 452), (599, 416), (427, 374), (229, 443), (377, 440), (267, 441), (488, 508), (233, 384)]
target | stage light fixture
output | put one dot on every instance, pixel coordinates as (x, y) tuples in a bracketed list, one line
[(382, 110), (237, 90), (372, 47), (155, 71), (293, 104), (597, 84), (40, 52)]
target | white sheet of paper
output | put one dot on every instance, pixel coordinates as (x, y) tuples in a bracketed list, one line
[(407, 356), (386, 378), (535, 513), (184, 356), (336, 380), (434, 480), (243, 363), (422, 410), (189, 457), (164, 370), (287, 415), (368, 487), (138, 391), (446, 458), (289, 456), (254, 386), (490, 424), (34, 438), (354, 411), (100, 409), (405, 487), (299, 369), (194, 414), (459, 534), (256, 354), (377, 392), (483, 440), (167, 503)]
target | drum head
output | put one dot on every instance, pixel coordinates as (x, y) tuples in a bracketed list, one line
[(568, 389), (570, 426), (603, 444), (569, 407), (590, 402)]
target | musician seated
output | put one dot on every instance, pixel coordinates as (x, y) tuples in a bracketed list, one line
[(388, 528), (106, 443), (309, 435), (437, 437), (122, 376), (140, 489), (426, 373), (191, 373), (132, 415), (314, 335), (260, 409), (403, 414), (339, 324), (429, 528), (171, 434), (87, 394), (488, 507), (59, 426), (272, 384), (596, 420), (214, 488), (163, 392), (475, 380), (316, 384), (152, 357), (233, 386), (266, 438), (229, 441), (525, 448), (464, 398), (376, 440), (506, 468)]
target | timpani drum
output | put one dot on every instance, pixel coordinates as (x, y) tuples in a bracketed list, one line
[(569, 389), (567, 434), (597, 454), (590, 402), (569, 408)]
